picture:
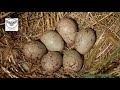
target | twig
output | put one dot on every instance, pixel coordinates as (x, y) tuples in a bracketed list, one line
[(100, 20), (6, 14), (103, 50), (8, 72), (2, 24)]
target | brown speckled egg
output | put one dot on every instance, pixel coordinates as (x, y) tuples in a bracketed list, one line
[(52, 40), (72, 61), (51, 61), (34, 50), (85, 40), (67, 28)]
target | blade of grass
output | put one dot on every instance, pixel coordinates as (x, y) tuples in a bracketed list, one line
[(106, 61), (104, 75)]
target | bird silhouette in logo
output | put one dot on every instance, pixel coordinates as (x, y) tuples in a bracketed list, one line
[(11, 24)]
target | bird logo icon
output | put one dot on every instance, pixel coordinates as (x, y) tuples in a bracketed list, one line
[(11, 22)]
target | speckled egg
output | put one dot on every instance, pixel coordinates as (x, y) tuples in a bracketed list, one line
[(53, 41), (85, 40), (67, 28), (51, 61), (34, 50), (72, 61)]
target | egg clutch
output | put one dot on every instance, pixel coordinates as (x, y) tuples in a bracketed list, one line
[(51, 52)]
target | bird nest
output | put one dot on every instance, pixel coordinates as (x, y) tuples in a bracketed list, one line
[(101, 61)]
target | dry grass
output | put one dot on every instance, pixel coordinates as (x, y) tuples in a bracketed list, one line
[(101, 61)]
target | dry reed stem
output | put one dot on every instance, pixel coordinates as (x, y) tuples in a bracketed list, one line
[(2, 24), (100, 20), (8, 72), (6, 14)]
